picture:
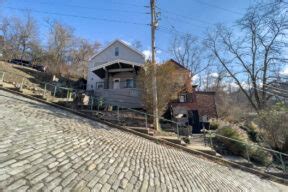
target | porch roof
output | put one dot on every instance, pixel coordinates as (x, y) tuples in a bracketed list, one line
[(104, 65), (115, 66)]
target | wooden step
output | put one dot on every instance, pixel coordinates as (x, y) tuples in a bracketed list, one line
[(171, 139)]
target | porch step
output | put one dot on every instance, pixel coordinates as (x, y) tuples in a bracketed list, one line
[(197, 143), (15, 89), (171, 139), (203, 149)]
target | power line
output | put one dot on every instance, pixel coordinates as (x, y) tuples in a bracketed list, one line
[(183, 16), (76, 16), (272, 94), (190, 19), (276, 88), (218, 7), (91, 8), (113, 2), (172, 29), (185, 22), (129, 4)]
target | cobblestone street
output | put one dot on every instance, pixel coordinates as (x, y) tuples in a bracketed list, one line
[(44, 148)]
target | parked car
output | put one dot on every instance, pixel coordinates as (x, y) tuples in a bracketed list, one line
[(21, 62), (39, 67)]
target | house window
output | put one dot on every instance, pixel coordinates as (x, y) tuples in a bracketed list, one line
[(91, 86), (183, 98), (117, 51), (129, 83), (100, 85)]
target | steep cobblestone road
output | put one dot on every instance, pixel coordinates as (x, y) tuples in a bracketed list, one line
[(47, 149)]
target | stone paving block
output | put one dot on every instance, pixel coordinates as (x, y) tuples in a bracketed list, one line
[(97, 187), (68, 179), (54, 183), (37, 187), (43, 148), (39, 178), (16, 185)]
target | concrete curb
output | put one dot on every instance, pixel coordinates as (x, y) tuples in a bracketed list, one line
[(160, 141)]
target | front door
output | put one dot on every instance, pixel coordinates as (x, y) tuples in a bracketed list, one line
[(193, 118), (116, 83)]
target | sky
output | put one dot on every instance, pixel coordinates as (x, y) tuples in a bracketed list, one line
[(106, 20)]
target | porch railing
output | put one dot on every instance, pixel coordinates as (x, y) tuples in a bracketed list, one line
[(116, 84)]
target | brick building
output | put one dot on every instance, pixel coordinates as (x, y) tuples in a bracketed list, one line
[(192, 107)]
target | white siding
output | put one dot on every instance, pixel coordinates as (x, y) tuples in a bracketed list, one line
[(91, 81), (108, 54)]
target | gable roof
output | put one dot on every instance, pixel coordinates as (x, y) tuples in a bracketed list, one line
[(121, 42), (178, 64)]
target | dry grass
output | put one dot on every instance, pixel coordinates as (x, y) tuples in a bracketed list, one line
[(15, 73)]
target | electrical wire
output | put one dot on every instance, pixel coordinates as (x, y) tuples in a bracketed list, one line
[(76, 16), (276, 88), (86, 7), (272, 94)]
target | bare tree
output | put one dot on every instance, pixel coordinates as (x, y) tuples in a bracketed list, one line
[(81, 53), (60, 42), (27, 35), (188, 51), (252, 53), (19, 36), (37, 53)]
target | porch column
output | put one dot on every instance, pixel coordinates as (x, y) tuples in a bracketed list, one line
[(106, 79), (134, 77)]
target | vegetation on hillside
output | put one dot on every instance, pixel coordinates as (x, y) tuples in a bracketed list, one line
[(65, 54)]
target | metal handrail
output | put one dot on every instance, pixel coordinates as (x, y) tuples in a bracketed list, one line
[(252, 145)]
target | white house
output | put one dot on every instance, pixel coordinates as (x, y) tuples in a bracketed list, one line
[(112, 74)]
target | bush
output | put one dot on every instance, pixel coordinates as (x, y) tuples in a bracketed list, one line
[(214, 125), (273, 122), (260, 157), (252, 132), (233, 147), (257, 155)]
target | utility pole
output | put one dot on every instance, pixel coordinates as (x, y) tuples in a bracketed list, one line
[(154, 24)]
